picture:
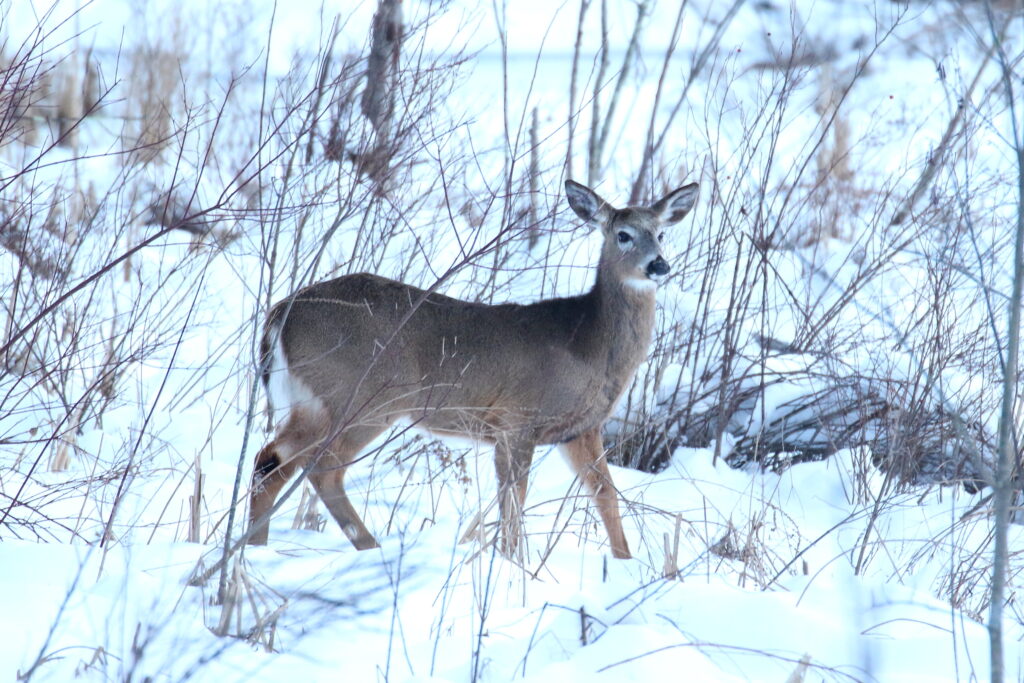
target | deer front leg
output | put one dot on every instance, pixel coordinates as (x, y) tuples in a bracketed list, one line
[(586, 455), (512, 459)]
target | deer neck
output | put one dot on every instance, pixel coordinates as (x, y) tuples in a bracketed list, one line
[(622, 326)]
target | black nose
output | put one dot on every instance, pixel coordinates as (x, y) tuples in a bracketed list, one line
[(659, 267)]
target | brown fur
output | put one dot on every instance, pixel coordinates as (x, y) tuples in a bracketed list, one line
[(364, 351)]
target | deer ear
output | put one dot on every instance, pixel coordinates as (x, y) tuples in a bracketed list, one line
[(586, 203), (672, 207)]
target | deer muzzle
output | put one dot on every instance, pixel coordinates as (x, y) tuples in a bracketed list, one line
[(658, 269)]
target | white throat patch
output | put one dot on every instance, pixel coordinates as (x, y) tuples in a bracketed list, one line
[(641, 285)]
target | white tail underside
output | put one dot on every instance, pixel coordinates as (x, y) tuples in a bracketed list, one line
[(285, 391)]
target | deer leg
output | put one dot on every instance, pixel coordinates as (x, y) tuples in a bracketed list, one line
[(274, 466), (330, 485), (512, 459), (328, 478), (586, 455)]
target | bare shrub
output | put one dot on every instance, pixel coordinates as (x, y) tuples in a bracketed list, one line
[(156, 63), (727, 374)]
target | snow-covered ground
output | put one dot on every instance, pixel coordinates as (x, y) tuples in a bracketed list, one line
[(822, 572), (780, 591)]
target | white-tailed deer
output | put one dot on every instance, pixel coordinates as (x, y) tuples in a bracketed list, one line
[(348, 357)]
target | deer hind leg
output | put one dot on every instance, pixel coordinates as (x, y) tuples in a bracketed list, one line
[(275, 464), (512, 460), (328, 478), (586, 455)]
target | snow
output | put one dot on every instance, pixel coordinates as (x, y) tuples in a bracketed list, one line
[(738, 574), (412, 610)]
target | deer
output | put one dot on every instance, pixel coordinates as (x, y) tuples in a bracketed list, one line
[(344, 359)]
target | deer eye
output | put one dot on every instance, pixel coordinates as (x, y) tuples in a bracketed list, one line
[(661, 236), (624, 237)]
